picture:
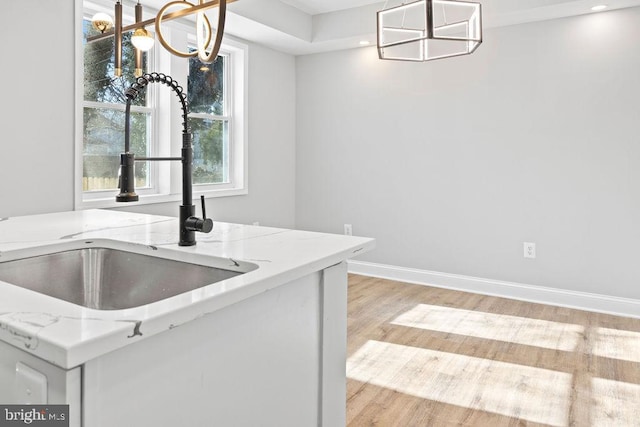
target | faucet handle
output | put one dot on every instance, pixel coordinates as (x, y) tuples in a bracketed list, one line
[(192, 223), (204, 208), (207, 223)]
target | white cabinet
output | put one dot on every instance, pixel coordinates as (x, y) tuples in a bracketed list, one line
[(274, 359)]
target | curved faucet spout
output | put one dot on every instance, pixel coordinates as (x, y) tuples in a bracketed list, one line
[(189, 224), (139, 85)]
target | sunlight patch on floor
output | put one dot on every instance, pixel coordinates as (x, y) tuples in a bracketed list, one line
[(533, 394), (518, 330), (615, 403), (617, 344)]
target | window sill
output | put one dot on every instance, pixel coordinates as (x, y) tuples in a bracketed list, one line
[(149, 199)]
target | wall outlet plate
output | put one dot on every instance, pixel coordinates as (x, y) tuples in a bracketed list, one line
[(348, 230), (529, 250)]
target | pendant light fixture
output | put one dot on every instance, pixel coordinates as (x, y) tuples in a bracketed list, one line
[(143, 40), (102, 22), (424, 30), (203, 30)]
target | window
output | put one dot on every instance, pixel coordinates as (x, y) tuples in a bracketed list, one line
[(216, 95), (209, 121)]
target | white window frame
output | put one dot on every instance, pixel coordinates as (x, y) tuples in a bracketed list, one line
[(165, 135)]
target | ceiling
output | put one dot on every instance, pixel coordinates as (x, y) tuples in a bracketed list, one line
[(315, 7), (302, 27)]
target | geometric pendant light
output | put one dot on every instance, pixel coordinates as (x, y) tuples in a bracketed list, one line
[(424, 30)]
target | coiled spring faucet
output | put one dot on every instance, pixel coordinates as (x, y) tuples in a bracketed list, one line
[(189, 223)]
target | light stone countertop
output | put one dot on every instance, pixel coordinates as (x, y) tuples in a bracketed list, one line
[(68, 335)]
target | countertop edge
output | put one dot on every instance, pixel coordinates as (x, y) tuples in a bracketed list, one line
[(44, 333)]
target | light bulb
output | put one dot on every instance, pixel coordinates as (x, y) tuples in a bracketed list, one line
[(102, 22), (142, 39)]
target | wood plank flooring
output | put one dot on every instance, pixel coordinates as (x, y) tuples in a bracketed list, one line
[(423, 356)]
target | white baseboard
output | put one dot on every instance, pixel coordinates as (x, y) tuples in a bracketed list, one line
[(559, 297)]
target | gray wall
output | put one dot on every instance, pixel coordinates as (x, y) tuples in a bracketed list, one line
[(37, 93), (37, 146), (452, 165)]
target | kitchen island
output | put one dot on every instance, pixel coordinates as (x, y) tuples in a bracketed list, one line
[(263, 348)]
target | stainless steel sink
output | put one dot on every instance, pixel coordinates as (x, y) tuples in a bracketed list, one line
[(111, 275)]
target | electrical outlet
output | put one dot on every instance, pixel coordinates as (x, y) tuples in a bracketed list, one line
[(529, 250), (348, 230), (256, 223)]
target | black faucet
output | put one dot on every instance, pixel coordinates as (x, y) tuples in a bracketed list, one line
[(189, 223)]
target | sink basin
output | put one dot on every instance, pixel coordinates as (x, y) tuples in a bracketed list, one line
[(112, 275)]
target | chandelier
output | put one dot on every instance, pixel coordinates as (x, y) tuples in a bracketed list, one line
[(207, 47), (424, 30)]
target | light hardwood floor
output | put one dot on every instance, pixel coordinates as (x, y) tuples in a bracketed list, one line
[(423, 356)]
